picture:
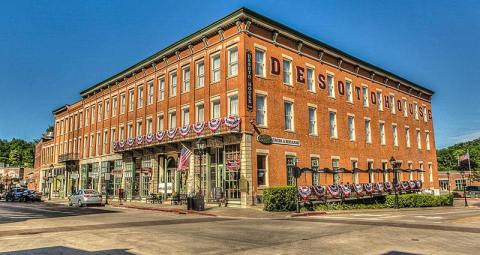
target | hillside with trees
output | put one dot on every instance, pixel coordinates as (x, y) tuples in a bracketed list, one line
[(17, 152), (447, 158)]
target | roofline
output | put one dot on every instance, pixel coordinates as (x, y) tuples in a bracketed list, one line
[(60, 109), (238, 13)]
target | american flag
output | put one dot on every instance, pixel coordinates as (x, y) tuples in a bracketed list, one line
[(184, 160), (464, 157)]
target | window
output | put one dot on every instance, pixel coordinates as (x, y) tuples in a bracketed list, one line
[(233, 105), (421, 173), (200, 112), (395, 133), (99, 112), (200, 81), (382, 133), (122, 103), (311, 79), (371, 177), (315, 162), (261, 170), (333, 124), (93, 114), (140, 97), (425, 117), (330, 85), (160, 122), (215, 108), (385, 173), (114, 106), (335, 166), (90, 150), (459, 183), (173, 84), (410, 168), (288, 108), (407, 136), (380, 100), (161, 89), (216, 67), (131, 100), (349, 91), (107, 108), (405, 108), (139, 128), (427, 140), (312, 120), (415, 108), (368, 131), (351, 128), (149, 126), (112, 138), (287, 71), (260, 63), (130, 130), (419, 140), (392, 104), (150, 93), (99, 141), (172, 119), (185, 116), (430, 171), (232, 61), (261, 103), (355, 179), (365, 96), (291, 162), (105, 142), (122, 133), (186, 79)]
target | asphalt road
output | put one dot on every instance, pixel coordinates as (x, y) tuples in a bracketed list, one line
[(53, 229)]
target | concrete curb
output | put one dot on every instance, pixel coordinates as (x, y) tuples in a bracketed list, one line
[(169, 210), (306, 214)]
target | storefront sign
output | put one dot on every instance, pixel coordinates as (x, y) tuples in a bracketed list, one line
[(161, 188), (264, 139), (74, 176), (249, 81), (233, 164), (267, 140)]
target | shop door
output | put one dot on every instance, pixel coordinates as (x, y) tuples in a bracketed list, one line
[(232, 175), (136, 179), (216, 175)]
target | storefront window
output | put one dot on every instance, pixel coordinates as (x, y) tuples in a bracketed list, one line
[(291, 161), (315, 173), (261, 170), (335, 166)]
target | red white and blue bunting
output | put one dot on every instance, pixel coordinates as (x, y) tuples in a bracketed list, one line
[(199, 127), (171, 133), (412, 184), (405, 185), (319, 191), (346, 191), (419, 184), (185, 130), (388, 186), (304, 191), (149, 138), (121, 144), (358, 188), (368, 188), (130, 141), (379, 187), (160, 135), (139, 140), (334, 190), (214, 124), (232, 121)]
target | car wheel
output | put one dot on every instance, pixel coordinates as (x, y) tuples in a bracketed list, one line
[(70, 203)]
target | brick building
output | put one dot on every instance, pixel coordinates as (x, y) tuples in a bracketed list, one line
[(454, 180), (262, 98), (44, 159)]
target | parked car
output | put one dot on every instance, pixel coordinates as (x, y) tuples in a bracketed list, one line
[(31, 195), (15, 194), (85, 197)]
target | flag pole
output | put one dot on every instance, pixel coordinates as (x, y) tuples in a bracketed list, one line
[(469, 168)]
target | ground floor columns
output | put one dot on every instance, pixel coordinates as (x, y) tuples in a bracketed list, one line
[(246, 175)]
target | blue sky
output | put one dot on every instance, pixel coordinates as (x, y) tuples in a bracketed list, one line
[(51, 50)]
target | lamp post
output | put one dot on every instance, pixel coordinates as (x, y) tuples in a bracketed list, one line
[(464, 184), (201, 146), (50, 179), (395, 165)]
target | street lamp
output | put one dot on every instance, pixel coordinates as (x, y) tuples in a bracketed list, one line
[(395, 165)]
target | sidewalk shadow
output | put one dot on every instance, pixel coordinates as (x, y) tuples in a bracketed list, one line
[(59, 250), (399, 253)]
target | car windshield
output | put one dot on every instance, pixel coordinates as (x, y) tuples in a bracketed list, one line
[(90, 191)]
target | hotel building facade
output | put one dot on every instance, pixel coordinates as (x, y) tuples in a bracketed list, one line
[(262, 98)]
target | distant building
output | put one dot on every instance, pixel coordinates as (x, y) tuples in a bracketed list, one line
[(13, 177), (454, 180), (44, 158)]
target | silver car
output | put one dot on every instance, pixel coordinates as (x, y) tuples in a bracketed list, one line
[(85, 197)]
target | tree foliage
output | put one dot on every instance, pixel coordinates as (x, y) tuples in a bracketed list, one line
[(17, 152), (447, 158)]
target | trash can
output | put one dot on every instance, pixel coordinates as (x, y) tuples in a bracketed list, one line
[(190, 202), (198, 203)]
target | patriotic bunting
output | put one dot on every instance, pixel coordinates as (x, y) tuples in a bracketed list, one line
[(199, 127), (214, 124), (171, 133), (232, 121), (160, 135), (304, 192), (149, 138), (184, 130)]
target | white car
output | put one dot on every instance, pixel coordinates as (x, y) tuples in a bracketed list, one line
[(85, 197)]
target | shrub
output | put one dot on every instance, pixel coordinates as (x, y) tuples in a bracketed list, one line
[(418, 200), (279, 199)]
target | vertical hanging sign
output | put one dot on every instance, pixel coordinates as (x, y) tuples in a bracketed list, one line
[(249, 81)]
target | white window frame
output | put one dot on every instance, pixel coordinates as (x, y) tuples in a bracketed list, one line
[(199, 105), (214, 101), (351, 127), (331, 85), (185, 79), (200, 76), (366, 102), (381, 127), (232, 63), (161, 88), (313, 132), (287, 75), (311, 86), (140, 95), (150, 93), (260, 63), (407, 136), (349, 90), (215, 70), (173, 83), (229, 102), (333, 130), (291, 117), (368, 131), (395, 134), (265, 111), (185, 115)]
